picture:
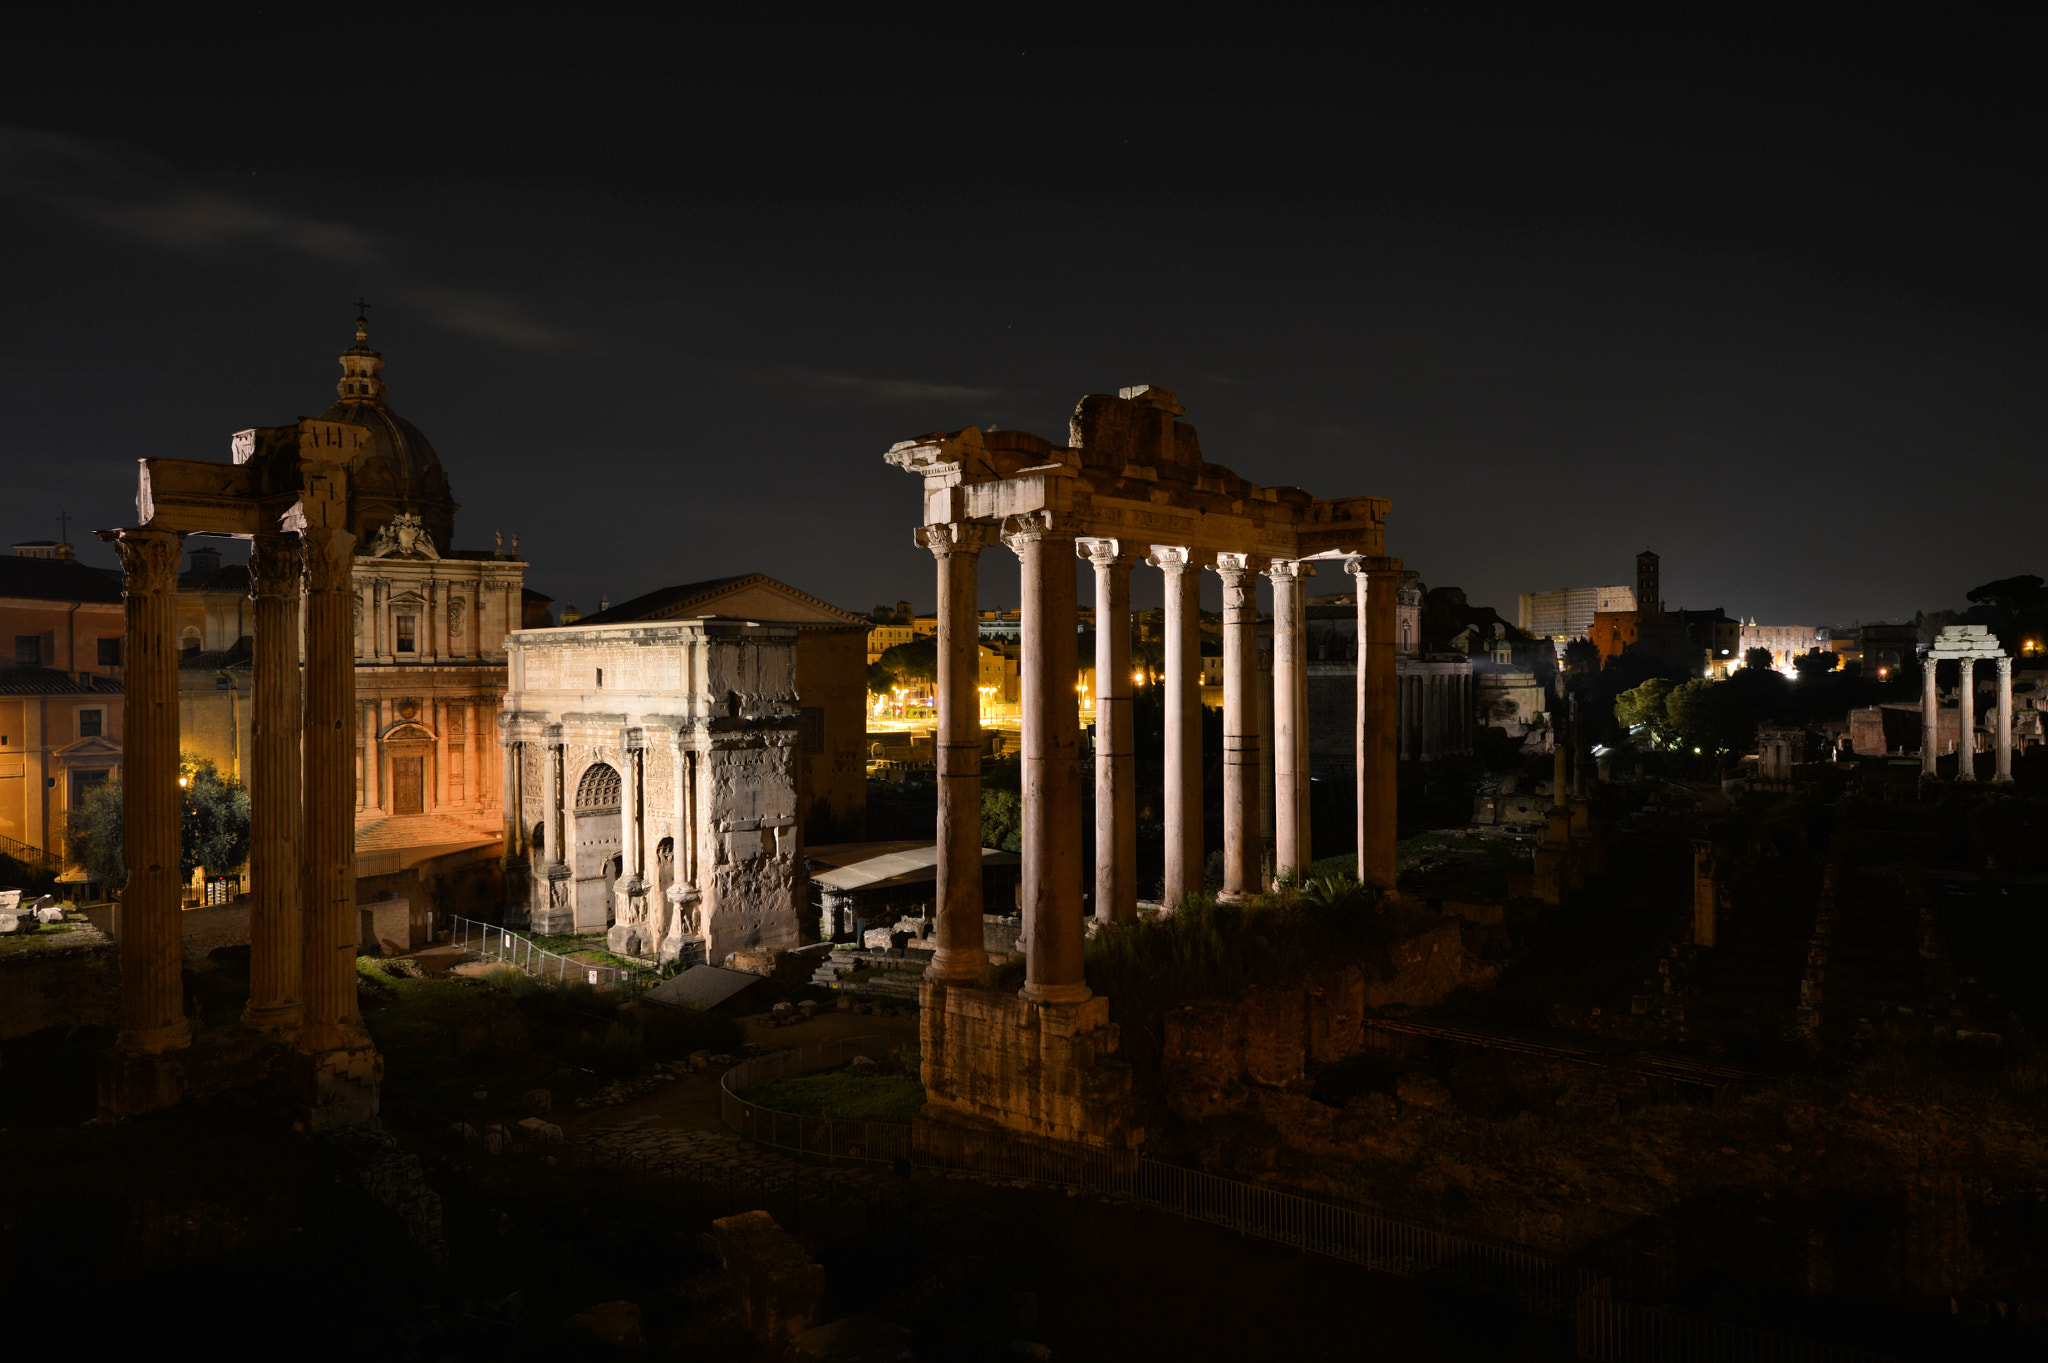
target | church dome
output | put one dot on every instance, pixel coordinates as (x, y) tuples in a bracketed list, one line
[(397, 471)]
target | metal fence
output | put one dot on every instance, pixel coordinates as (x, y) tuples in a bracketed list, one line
[(489, 939), (1542, 1284)]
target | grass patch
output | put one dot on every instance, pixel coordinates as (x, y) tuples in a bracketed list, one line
[(589, 949), (73, 934), (843, 1094)]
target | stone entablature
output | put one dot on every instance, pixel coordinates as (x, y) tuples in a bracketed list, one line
[(1964, 645), (650, 783)]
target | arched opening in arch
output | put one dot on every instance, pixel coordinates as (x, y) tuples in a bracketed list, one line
[(594, 845)]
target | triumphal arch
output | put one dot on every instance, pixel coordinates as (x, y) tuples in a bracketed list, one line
[(650, 782), (1129, 486)]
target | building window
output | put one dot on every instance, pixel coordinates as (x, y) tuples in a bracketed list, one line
[(407, 633), (110, 652), (91, 723), (28, 650), (814, 728)]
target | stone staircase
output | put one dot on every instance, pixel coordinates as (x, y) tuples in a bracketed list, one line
[(899, 971)]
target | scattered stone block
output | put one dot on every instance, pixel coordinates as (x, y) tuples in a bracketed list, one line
[(723, 1062), (808, 1008), (700, 1059), (862, 1064), (49, 914), (852, 1339), (777, 1287), (845, 1004), (614, 1322), (17, 924), (538, 1102)]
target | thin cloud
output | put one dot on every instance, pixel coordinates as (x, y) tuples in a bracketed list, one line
[(144, 202), (490, 316), (85, 181), (892, 389)]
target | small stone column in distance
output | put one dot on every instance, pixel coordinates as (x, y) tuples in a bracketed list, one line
[(1930, 729), (1181, 668), (1966, 720), (2003, 773), (1052, 937), (1116, 756), (1240, 726), (332, 1019), (276, 927), (959, 957), (1290, 719), (152, 930), (1378, 747)]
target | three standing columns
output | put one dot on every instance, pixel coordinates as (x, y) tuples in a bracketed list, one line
[(328, 871), (276, 927), (1116, 753), (960, 955), (152, 930), (1052, 936), (1378, 746), (1183, 723), (1241, 833), (1290, 719)]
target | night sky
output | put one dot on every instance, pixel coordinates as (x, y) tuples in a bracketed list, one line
[(662, 291)]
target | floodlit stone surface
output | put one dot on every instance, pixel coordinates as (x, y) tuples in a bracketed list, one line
[(1046, 1069), (658, 762)]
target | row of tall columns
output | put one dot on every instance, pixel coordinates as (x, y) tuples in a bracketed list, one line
[(1966, 720), (331, 1020), (1116, 750), (152, 932), (303, 932), (1183, 723), (1241, 834), (1052, 931), (959, 955), (1290, 719), (276, 929)]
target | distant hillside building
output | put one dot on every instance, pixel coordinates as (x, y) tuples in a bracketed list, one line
[(1567, 613)]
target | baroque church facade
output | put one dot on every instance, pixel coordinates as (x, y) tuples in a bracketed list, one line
[(430, 625)]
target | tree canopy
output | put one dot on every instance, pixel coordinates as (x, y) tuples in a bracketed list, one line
[(1814, 663), (213, 824), (1758, 658)]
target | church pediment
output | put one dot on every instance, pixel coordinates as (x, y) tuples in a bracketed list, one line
[(406, 729), (89, 749)]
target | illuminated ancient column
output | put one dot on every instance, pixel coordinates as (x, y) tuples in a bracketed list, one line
[(332, 1020), (277, 962), (1181, 671), (1240, 725), (1966, 720), (1052, 936), (551, 795), (1290, 718), (442, 749), (372, 719), (1378, 746), (959, 957), (629, 915), (512, 760), (2004, 771), (1116, 755), (151, 928), (1930, 716)]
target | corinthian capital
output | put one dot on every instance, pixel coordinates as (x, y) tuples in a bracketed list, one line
[(150, 560), (276, 566), (1290, 569), (956, 537), (330, 558)]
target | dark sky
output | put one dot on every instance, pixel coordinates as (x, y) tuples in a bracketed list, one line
[(1561, 283)]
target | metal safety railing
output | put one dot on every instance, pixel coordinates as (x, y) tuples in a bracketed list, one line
[(502, 944)]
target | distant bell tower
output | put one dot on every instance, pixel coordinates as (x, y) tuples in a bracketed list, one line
[(1648, 602)]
